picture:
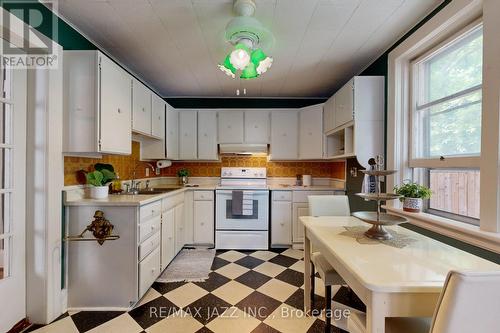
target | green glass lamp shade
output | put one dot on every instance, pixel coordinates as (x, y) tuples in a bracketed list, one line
[(257, 56), (249, 72), (227, 67)]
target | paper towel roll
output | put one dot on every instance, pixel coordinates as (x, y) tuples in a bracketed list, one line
[(163, 164), (306, 180)]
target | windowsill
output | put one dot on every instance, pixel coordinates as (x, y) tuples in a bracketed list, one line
[(461, 231)]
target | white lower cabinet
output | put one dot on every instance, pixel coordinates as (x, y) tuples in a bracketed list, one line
[(281, 218), (167, 237), (180, 232), (149, 269), (204, 222)]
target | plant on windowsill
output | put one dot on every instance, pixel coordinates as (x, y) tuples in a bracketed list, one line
[(413, 195), (183, 175), (99, 180)]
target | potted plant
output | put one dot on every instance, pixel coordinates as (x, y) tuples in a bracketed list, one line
[(183, 175), (99, 180), (413, 195)]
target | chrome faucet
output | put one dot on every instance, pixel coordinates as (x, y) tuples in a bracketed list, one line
[(134, 187)]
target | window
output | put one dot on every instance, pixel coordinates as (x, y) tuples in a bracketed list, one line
[(445, 140)]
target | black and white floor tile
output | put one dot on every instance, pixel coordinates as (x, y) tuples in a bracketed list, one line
[(248, 291)]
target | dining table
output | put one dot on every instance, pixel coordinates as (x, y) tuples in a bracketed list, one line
[(401, 279)]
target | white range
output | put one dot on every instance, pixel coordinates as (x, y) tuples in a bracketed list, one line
[(244, 225)]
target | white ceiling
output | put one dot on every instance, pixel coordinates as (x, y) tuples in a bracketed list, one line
[(175, 45)]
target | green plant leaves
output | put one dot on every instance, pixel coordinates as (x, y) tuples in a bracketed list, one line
[(103, 166), (95, 178), (107, 176), (413, 190)]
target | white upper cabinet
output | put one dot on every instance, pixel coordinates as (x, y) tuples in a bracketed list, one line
[(329, 115), (172, 134), (158, 116), (207, 135), (141, 116), (310, 132), (188, 142), (284, 135), (97, 105), (257, 126), (230, 126), (344, 104)]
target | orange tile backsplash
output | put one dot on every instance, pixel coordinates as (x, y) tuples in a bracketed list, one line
[(124, 165)]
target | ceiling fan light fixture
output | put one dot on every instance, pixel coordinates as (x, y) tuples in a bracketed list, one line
[(240, 56), (264, 65), (249, 72), (227, 67)]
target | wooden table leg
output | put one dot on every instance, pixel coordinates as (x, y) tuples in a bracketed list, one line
[(307, 273), (375, 314)]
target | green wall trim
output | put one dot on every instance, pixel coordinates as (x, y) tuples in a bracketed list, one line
[(66, 36), (241, 103), (480, 252)]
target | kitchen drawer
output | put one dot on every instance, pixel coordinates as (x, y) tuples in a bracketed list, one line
[(203, 195), (149, 245), (148, 228), (172, 201), (282, 195), (301, 196), (148, 211), (149, 269)]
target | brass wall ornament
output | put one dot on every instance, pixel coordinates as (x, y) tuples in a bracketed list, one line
[(101, 229)]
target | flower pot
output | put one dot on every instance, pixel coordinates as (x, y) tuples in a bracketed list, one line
[(184, 180), (413, 205), (98, 192)]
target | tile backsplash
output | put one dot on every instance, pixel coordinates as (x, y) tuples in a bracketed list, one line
[(124, 165)]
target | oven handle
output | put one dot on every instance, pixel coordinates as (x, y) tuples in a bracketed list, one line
[(254, 192)]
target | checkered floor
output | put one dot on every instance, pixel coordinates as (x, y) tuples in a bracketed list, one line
[(248, 291)]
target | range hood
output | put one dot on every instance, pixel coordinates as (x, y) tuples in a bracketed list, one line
[(243, 149)]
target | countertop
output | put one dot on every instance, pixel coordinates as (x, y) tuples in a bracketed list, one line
[(143, 199), (132, 200)]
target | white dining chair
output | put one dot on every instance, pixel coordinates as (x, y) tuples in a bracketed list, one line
[(326, 205), (469, 302)]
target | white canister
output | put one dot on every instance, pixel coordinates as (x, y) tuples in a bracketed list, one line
[(306, 180), (98, 192)]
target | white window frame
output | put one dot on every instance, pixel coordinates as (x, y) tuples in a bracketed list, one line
[(463, 161), (451, 20)]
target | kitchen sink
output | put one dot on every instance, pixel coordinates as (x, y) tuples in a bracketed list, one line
[(157, 190)]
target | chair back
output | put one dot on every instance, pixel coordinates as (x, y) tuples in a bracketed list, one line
[(329, 205), (470, 302)]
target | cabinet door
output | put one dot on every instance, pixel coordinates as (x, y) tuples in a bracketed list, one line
[(204, 222), (172, 137), (115, 108), (167, 237), (329, 115), (141, 117), (344, 104), (180, 230), (207, 135), (158, 117), (310, 133), (188, 135), (284, 135), (299, 209), (257, 126), (281, 223), (230, 126)]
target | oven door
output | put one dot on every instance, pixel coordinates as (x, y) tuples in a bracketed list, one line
[(225, 220)]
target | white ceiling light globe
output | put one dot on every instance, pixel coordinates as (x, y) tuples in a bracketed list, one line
[(239, 58), (264, 65)]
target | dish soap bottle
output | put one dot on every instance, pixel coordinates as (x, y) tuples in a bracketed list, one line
[(117, 184)]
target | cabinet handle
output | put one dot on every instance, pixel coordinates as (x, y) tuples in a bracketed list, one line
[(143, 110), (282, 224), (152, 227), (119, 110), (152, 211), (159, 117)]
